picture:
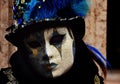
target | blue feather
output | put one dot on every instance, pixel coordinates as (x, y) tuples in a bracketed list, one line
[(29, 8), (80, 7), (61, 3), (17, 2), (46, 11), (35, 10), (49, 8), (99, 56)]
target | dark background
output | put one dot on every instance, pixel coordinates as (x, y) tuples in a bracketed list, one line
[(113, 33)]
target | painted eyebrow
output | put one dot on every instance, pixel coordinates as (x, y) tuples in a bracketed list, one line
[(57, 38)]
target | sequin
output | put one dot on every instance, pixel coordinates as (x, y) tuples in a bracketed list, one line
[(22, 1), (19, 21), (96, 80), (39, 7), (15, 9), (43, 0)]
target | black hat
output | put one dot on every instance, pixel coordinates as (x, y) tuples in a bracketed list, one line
[(45, 12)]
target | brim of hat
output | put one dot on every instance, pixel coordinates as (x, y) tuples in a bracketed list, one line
[(19, 33)]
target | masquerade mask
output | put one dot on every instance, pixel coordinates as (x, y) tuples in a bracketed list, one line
[(51, 50)]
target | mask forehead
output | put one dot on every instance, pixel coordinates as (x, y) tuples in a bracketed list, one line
[(65, 30), (62, 30)]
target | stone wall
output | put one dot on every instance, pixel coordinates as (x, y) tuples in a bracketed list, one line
[(6, 49), (95, 28), (3, 24), (96, 25)]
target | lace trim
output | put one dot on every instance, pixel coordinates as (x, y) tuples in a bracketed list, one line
[(12, 79)]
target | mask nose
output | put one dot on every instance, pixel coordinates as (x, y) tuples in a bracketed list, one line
[(50, 51), (53, 53)]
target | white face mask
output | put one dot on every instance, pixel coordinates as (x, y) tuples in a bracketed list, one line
[(52, 51)]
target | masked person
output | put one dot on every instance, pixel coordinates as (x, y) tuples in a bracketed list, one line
[(48, 36)]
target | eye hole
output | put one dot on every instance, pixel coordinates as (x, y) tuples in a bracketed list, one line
[(56, 39), (34, 44)]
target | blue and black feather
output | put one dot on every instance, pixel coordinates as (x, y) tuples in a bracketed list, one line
[(39, 10)]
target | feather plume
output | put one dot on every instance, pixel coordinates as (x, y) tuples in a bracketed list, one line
[(39, 9), (28, 11)]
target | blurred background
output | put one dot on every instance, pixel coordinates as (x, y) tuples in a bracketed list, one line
[(102, 31)]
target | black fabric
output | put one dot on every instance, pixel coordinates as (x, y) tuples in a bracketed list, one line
[(3, 77)]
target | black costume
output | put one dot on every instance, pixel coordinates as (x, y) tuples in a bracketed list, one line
[(84, 69)]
